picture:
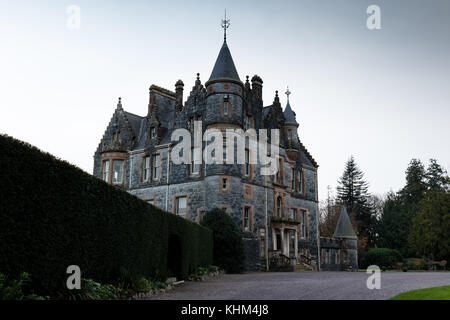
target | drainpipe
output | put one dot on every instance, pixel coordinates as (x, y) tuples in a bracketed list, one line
[(317, 224), (266, 225), (168, 173), (131, 169)]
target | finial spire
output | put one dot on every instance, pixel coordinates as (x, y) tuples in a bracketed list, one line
[(276, 99), (225, 25), (287, 93), (119, 104)]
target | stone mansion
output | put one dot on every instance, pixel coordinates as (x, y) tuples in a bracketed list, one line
[(278, 214)]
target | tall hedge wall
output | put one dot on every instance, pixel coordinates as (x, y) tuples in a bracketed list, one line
[(52, 215)]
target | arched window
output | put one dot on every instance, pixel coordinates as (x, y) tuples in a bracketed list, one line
[(279, 202)]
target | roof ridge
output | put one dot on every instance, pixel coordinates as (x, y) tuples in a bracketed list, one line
[(134, 114), (130, 128), (162, 90)]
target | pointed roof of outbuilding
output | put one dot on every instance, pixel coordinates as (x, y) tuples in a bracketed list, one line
[(224, 67), (289, 115), (344, 227)]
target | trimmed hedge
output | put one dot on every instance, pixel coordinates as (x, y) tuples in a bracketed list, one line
[(52, 215), (385, 258)]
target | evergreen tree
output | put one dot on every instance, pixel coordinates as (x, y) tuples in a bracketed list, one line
[(415, 186), (430, 227), (393, 225), (405, 213), (352, 191), (436, 177), (228, 244), (431, 220)]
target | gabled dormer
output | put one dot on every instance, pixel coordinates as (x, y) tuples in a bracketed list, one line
[(160, 117)]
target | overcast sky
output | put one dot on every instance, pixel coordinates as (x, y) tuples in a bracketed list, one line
[(380, 95)]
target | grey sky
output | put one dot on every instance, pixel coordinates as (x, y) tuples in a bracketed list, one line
[(381, 95)]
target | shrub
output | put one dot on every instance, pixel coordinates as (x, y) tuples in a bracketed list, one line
[(228, 245), (143, 285), (53, 215), (92, 290), (17, 289), (416, 264), (385, 258), (213, 269)]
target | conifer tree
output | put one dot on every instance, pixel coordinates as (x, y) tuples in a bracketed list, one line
[(436, 177), (352, 191)]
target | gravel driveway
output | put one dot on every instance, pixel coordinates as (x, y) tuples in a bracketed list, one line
[(304, 285)]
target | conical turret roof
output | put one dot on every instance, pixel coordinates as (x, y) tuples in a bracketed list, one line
[(344, 227), (289, 115), (224, 67)]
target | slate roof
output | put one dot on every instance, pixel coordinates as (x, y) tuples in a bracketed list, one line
[(344, 227), (224, 67), (142, 136), (289, 115), (135, 122)]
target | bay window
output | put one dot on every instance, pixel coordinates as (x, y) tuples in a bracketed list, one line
[(105, 170), (117, 177)]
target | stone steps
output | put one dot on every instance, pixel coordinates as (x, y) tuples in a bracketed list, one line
[(301, 267)]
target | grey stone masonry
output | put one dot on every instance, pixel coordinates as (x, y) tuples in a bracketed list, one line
[(277, 214)]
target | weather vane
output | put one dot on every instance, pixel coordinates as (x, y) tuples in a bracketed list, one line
[(225, 25), (287, 93)]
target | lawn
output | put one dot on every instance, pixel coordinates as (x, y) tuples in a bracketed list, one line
[(435, 293)]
